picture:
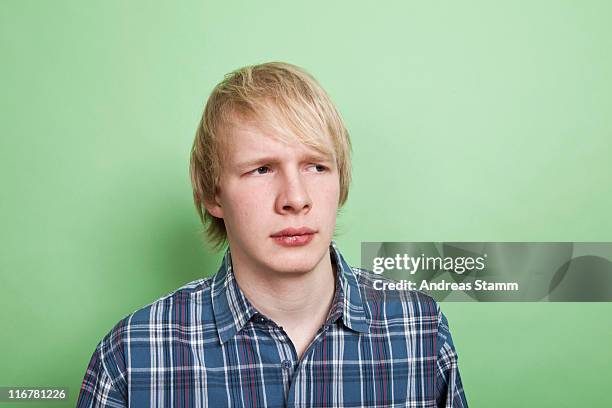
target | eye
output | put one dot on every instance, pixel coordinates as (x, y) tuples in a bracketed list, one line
[(260, 170), (319, 168)]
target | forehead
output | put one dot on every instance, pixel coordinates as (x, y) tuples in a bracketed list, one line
[(245, 137)]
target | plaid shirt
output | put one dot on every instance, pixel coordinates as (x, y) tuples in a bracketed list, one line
[(205, 345)]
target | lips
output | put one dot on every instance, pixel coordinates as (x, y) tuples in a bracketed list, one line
[(291, 232), (294, 237)]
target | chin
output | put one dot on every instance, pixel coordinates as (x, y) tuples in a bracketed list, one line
[(292, 265), (295, 262), (297, 259)]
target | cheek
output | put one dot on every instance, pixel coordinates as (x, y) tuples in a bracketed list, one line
[(246, 207), (328, 194)]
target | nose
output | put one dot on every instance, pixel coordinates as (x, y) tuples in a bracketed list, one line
[(293, 194)]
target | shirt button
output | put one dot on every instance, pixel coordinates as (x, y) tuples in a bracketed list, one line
[(286, 364)]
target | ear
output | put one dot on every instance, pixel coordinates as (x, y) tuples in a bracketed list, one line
[(214, 207)]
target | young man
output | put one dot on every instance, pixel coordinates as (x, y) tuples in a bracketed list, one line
[(285, 322)]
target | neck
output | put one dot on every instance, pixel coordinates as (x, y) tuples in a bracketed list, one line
[(289, 299)]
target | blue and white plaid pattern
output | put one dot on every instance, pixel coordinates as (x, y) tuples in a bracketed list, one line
[(205, 345)]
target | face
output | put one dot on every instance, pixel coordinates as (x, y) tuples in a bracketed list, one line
[(278, 201)]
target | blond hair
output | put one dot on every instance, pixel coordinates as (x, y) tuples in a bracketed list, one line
[(280, 96)]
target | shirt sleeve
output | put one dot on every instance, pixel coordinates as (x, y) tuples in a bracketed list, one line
[(98, 389), (449, 389)]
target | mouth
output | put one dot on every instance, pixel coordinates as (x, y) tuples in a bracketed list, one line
[(290, 232), (290, 237)]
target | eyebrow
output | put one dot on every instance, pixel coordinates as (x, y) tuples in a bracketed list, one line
[(248, 164)]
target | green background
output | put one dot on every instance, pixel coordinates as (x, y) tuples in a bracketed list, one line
[(470, 121)]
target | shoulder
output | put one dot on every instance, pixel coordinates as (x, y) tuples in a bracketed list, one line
[(398, 300), (165, 309), (174, 312)]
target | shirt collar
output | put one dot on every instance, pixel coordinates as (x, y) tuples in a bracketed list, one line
[(232, 310)]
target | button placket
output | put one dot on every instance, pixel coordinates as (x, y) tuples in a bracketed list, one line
[(286, 364)]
